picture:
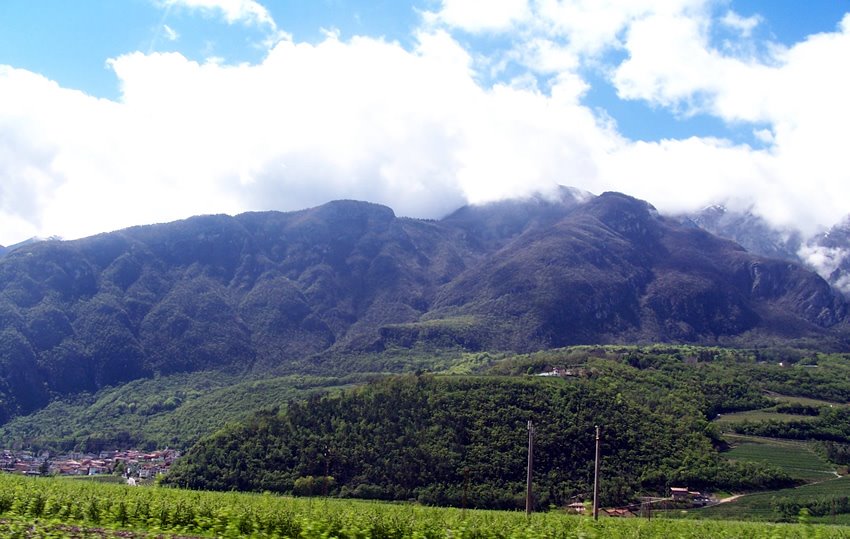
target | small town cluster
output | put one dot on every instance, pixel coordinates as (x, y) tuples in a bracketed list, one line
[(130, 463)]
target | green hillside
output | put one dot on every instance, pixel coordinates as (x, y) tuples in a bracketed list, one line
[(171, 411), (423, 437)]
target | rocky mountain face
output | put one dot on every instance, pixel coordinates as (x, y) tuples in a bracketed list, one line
[(260, 291), (750, 231), (828, 253)]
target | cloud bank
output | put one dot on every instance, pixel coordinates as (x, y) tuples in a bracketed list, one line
[(416, 128)]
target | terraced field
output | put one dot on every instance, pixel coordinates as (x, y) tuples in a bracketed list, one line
[(797, 458)]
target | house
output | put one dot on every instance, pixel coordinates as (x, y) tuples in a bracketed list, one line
[(680, 493), (26, 468), (576, 508), (564, 373), (98, 470)]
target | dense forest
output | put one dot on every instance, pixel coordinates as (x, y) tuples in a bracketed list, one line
[(446, 439)]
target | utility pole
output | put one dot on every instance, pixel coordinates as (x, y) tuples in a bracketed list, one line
[(465, 488), (646, 507), (327, 471), (596, 479), (528, 493)]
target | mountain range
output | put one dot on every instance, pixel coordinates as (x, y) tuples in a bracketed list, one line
[(267, 291), (828, 252)]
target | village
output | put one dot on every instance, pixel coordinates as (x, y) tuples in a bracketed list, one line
[(679, 498), (129, 463)]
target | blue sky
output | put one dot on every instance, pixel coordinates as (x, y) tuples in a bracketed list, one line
[(121, 113), (70, 43)]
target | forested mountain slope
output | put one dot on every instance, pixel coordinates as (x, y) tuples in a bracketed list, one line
[(425, 437), (267, 292)]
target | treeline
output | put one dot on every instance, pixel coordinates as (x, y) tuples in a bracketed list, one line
[(455, 440), (832, 425), (722, 380), (791, 508)]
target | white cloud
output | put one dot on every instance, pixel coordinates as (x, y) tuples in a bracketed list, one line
[(418, 131), (826, 260), (589, 27), (764, 135), (742, 25), (791, 96), (363, 119), (241, 11), (798, 93), (583, 28), (480, 15), (170, 33)]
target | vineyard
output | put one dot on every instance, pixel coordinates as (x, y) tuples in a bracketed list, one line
[(39, 507), (798, 459)]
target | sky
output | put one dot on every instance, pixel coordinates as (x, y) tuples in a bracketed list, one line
[(120, 113)]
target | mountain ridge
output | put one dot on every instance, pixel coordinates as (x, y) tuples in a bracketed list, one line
[(264, 291)]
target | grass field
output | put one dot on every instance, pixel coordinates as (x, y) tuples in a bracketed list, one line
[(728, 421), (795, 457), (803, 400), (45, 507)]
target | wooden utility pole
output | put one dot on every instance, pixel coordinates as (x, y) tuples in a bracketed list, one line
[(528, 493), (596, 479), (465, 488), (646, 507), (327, 471)]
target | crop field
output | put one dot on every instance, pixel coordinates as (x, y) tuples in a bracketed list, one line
[(795, 457), (44, 507), (762, 506)]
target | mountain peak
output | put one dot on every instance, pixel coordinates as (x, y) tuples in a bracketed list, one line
[(264, 291), (494, 223)]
